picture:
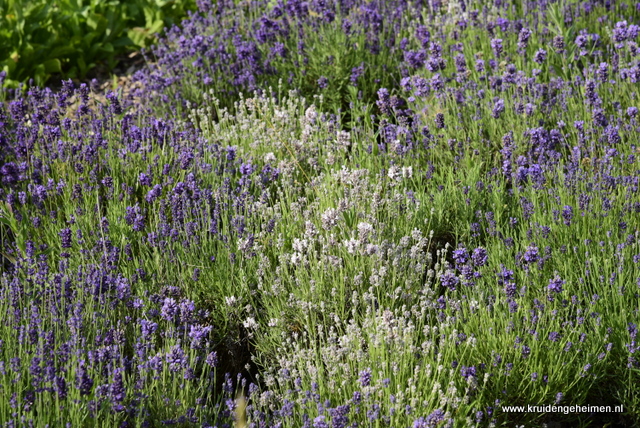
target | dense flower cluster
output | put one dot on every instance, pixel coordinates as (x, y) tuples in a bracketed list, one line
[(330, 214)]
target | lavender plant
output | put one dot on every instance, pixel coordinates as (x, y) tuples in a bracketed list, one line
[(315, 250)]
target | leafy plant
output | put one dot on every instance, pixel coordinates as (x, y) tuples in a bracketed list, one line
[(39, 38)]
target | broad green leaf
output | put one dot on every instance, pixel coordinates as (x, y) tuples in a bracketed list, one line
[(122, 42), (82, 65), (156, 27), (93, 21), (89, 37), (8, 65), (52, 66), (107, 47), (62, 51), (138, 35), (149, 16)]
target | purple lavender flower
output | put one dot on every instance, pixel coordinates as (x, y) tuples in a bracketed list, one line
[(613, 138), (147, 328), (421, 87), (461, 63), (496, 45), (383, 102), (468, 372), (373, 413), (346, 26), (114, 103), (169, 309), (555, 284), (144, 179), (554, 336), (356, 73), (279, 50), (416, 59), (365, 377), (567, 214), (430, 421), (65, 236), (531, 254), (523, 39), (323, 82), (154, 193), (287, 408), (558, 44), (540, 56), (449, 280), (510, 289), (340, 416), (319, 422), (603, 72), (620, 33), (423, 35), (107, 182), (460, 255), (135, 218), (61, 387), (198, 335), (498, 108), (187, 310), (591, 93), (117, 390), (247, 169), (581, 41), (529, 108), (176, 359), (83, 382), (479, 257), (231, 153), (599, 118), (440, 121), (212, 359), (437, 82), (10, 173)]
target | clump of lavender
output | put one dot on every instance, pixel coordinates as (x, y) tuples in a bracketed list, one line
[(326, 230)]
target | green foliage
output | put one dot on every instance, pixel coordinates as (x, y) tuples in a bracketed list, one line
[(39, 38), (346, 262)]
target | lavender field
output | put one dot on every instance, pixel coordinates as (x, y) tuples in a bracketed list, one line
[(332, 214)]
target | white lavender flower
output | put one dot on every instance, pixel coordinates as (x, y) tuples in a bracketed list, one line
[(250, 323), (269, 158), (330, 218), (351, 245), (343, 139), (394, 173), (364, 232)]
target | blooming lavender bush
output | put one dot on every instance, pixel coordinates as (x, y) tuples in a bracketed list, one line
[(341, 246)]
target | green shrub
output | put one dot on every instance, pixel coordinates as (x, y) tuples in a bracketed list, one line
[(39, 38)]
